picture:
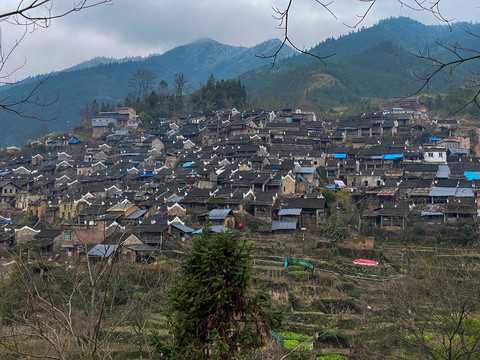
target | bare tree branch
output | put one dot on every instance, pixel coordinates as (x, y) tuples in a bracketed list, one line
[(31, 15), (461, 54), (282, 17)]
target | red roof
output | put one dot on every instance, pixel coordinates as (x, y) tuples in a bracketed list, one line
[(365, 262)]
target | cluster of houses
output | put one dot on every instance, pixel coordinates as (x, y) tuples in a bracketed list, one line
[(141, 189)]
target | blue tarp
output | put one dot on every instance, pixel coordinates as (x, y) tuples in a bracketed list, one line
[(147, 175), (214, 228), (434, 139), (392, 156), (187, 164), (472, 175), (339, 156), (73, 142)]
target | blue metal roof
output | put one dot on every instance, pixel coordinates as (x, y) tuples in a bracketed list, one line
[(457, 151), (174, 199), (294, 212), (451, 191), (219, 214), (339, 155), (102, 250), (305, 170), (120, 132), (442, 191), (283, 225), (464, 192), (183, 228), (443, 172), (136, 214)]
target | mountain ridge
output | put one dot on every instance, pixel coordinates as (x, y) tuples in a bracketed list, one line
[(108, 81)]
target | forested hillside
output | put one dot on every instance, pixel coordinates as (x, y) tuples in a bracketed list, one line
[(373, 63)]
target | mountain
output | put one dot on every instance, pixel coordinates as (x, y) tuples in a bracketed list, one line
[(375, 62), (107, 81), (378, 62), (101, 60)]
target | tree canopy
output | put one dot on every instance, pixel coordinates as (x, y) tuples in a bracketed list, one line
[(213, 310)]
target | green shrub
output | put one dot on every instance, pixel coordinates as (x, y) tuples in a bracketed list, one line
[(335, 338), (292, 344), (289, 335), (332, 357)]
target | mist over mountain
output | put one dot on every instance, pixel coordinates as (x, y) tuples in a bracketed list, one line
[(107, 81), (376, 62)]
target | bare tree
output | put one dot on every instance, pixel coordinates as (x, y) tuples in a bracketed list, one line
[(460, 55), (162, 87), (142, 81), (29, 15), (282, 15), (435, 308), (53, 311), (180, 81)]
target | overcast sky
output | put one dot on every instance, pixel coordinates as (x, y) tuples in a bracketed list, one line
[(142, 27)]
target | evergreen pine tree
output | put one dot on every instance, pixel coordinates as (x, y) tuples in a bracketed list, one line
[(213, 311)]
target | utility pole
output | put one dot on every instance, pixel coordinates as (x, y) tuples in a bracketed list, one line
[(303, 241)]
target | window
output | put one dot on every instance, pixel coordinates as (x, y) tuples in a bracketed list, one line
[(67, 235), (430, 154), (440, 155), (10, 191)]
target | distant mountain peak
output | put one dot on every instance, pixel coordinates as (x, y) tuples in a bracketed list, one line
[(205, 40), (101, 60)]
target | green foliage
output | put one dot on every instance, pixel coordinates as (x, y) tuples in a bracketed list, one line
[(219, 94), (212, 311), (329, 196), (425, 336), (468, 234), (42, 148), (342, 213), (332, 357), (456, 102), (292, 344), (10, 298), (333, 337), (290, 335)]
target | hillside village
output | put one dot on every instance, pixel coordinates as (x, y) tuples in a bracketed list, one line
[(151, 189)]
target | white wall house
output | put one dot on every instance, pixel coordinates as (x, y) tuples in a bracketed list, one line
[(434, 155)]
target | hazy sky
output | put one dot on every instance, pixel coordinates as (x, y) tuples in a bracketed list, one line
[(142, 27)]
